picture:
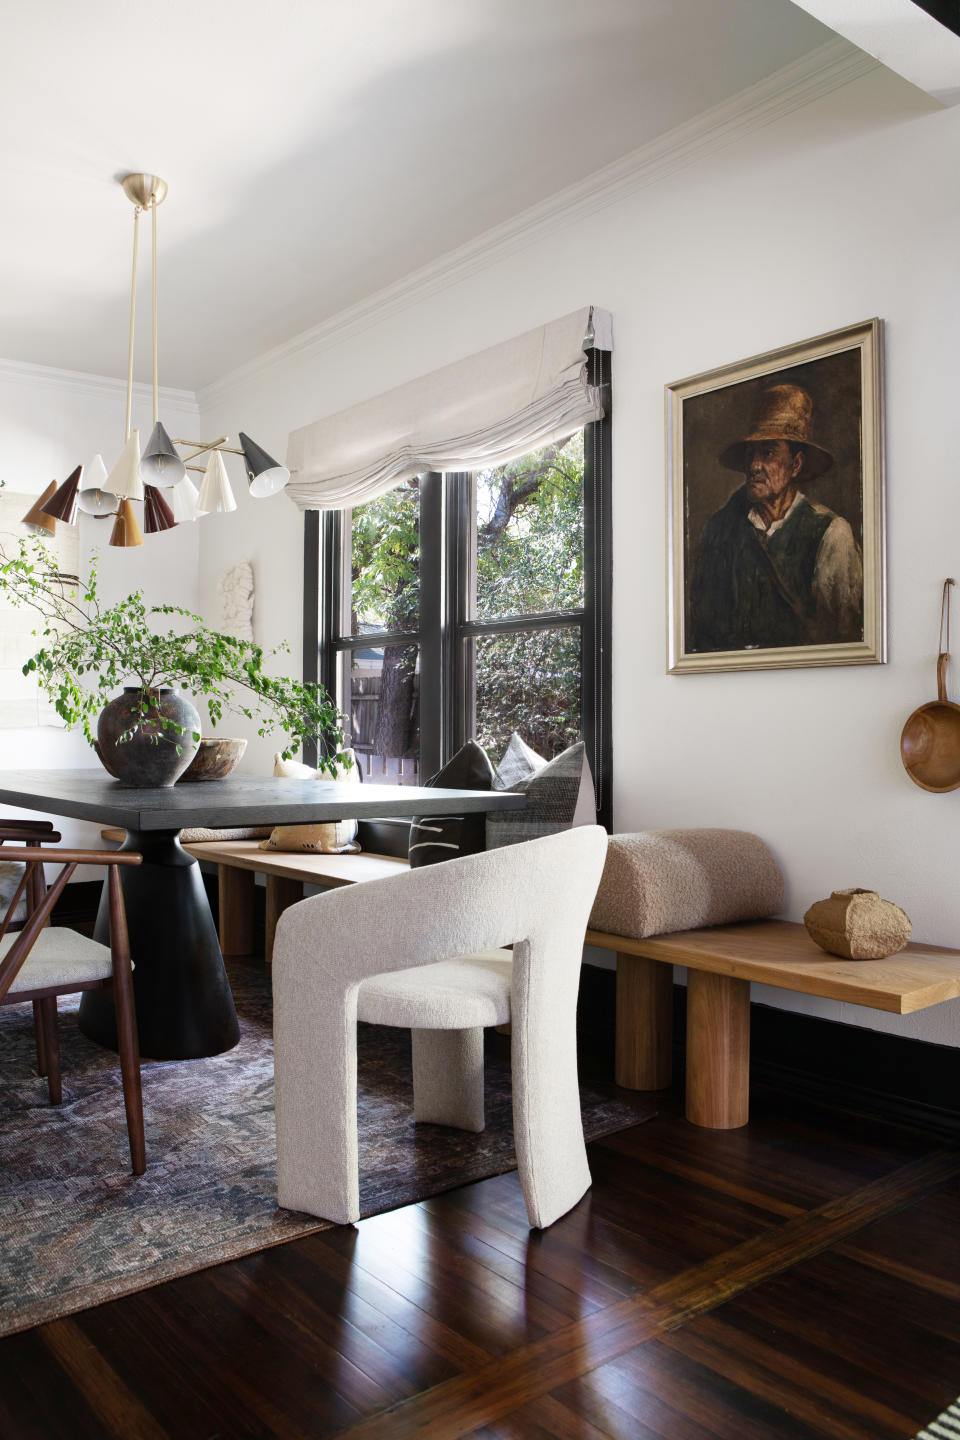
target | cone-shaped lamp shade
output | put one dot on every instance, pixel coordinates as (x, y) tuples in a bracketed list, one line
[(126, 531), (124, 479), (265, 474), (161, 465), (62, 504), (183, 498), (215, 493), (157, 514), (35, 516), (94, 497)]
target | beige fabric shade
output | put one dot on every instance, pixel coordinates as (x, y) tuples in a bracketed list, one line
[(473, 415)]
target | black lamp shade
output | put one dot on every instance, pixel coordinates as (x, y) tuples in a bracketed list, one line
[(62, 504), (265, 474), (157, 514), (160, 464)]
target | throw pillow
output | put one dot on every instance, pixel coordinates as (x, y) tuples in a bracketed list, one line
[(518, 763), (444, 837), (225, 832), (327, 837), (559, 795)]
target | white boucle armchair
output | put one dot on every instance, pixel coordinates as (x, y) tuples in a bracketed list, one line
[(420, 950)]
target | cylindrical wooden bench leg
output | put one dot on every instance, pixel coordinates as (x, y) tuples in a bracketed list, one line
[(644, 1023), (718, 1050), (281, 893), (236, 890)]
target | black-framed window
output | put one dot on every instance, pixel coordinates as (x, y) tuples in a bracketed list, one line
[(471, 605)]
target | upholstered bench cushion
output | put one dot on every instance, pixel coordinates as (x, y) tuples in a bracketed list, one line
[(460, 994), (59, 957), (657, 881)]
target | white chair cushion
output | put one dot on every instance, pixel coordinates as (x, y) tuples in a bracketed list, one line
[(460, 994), (59, 957)]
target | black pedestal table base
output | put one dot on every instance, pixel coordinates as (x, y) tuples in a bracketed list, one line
[(184, 1006)]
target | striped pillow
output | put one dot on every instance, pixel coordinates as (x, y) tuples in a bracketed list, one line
[(559, 795)]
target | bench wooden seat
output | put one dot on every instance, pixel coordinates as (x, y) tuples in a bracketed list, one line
[(240, 861), (721, 963)]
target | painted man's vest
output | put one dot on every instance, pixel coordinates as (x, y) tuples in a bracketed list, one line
[(751, 591)]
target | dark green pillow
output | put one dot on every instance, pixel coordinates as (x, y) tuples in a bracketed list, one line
[(445, 837)]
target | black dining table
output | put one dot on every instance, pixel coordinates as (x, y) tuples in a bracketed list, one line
[(184, 1004)]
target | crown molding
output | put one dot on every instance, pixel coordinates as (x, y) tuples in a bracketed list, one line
[(79, 382), (823, 70)]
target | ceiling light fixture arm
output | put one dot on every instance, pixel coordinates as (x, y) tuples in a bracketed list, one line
[(133, 316)]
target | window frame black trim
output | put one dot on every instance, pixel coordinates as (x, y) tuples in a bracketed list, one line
[(445, 539)]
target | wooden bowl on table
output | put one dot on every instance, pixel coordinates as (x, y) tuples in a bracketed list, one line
[(214, 760)]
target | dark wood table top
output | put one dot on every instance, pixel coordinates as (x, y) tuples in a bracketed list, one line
[(238, 800)]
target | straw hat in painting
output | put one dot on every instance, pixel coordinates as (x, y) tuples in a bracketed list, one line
[(785, 413)]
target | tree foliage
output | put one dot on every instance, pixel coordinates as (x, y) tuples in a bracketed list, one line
[(529, 560)]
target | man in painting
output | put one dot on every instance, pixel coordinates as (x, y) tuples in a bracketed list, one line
[(774, 567)]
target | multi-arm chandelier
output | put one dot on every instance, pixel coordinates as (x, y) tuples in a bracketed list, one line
[(160, 468)]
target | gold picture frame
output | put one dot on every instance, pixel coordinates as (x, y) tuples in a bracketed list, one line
[(763, 571)]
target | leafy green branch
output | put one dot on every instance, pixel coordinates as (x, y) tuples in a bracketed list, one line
[(89, 650)]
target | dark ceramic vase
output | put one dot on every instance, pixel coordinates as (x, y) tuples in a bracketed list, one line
[(148, 758)]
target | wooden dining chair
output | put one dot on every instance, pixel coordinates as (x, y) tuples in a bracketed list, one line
[(40, 962)]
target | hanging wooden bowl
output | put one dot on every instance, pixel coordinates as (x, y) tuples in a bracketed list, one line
[(930, 743)]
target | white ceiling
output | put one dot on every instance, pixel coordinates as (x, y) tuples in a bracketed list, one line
[(316, 151)]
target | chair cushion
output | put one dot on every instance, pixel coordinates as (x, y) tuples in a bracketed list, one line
[(60, 958), (657, 881), (446, 837), (459, 994)]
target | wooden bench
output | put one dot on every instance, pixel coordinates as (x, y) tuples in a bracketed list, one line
[(721, 963), (239, 862)]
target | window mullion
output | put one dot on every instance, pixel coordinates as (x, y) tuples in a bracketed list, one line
[(461, 715), (433, 685)]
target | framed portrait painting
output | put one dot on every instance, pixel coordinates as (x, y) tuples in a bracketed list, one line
[(776, 509)]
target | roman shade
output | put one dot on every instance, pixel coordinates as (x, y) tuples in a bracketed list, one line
[(473, 415)]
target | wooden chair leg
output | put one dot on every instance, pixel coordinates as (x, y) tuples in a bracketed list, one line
[(38, 1037), (51, 1047), (126, 1026)]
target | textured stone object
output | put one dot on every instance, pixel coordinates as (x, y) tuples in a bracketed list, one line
[(858, 925)]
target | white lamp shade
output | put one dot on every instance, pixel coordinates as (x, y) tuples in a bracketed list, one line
[(94, 497), (124, 479), (183, 500), (215, 493)]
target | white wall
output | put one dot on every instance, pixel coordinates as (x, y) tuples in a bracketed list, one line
[(51, 421), (839, 211)]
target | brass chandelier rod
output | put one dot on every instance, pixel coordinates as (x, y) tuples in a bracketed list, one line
[(156, 387), (133, 316), (200, 446)]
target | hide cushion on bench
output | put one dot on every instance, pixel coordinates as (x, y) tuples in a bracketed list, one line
[(658, 881)]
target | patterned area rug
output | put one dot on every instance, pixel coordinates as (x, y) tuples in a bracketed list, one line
[(76, 1228)]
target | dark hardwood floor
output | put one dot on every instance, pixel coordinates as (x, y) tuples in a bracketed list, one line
[(799, 1278)]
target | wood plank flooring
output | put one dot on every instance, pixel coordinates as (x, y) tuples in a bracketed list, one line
[(799, 1278)]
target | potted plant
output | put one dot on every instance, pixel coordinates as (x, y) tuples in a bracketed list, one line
[(149, 734)]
